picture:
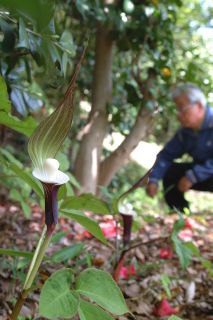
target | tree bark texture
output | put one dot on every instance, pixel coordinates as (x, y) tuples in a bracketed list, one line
[(88, 158), (118, 158), (139, 131)]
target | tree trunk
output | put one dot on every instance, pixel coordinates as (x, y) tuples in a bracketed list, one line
[(118, 158), (139, 131), (88, 158)]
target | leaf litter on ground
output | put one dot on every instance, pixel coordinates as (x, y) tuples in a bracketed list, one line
[(141, 275)]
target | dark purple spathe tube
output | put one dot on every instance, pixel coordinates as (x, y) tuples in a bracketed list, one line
[(51, 179), (128, 214), (51, 205), (127, 225)]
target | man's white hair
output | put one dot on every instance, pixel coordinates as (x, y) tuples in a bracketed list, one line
[(191, 91)]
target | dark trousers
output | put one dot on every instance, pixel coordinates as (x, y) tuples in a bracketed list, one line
[(175, 198)]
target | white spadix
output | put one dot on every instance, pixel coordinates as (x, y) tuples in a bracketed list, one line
[(126, 209), (51, 167), (50, 173)]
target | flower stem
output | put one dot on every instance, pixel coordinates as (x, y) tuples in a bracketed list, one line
[(37, 257), (35, 263), (18, 305)]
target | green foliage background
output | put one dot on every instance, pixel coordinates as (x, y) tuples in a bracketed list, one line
[(40, 44)]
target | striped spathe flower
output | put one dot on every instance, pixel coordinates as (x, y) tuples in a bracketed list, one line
[(50, 134)]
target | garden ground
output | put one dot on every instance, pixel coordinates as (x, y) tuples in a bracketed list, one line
[(141, 277)]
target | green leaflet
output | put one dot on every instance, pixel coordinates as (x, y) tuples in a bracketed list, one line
[(25, 126), (88, 311), (57, 300), (166, 282), (52, 131), (4, 101), (89, 224), (100, 287), (86, 201)]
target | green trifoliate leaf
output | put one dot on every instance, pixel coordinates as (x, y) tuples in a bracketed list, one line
[(57, 300), (100, 287), (52, 131), (88, 311)]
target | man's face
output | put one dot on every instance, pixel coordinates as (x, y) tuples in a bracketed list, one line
[(188, 114)]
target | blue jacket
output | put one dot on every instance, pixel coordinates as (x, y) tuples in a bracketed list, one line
[(199, 145)]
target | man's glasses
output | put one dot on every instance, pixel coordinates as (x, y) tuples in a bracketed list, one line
[(184, 109)]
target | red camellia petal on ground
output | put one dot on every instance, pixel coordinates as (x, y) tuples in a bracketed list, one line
[(128, 271), (188, 224), (109, 229), (185, 235), (87, 234), (132, 270), (166, 253), (163, 309), (124, 273)]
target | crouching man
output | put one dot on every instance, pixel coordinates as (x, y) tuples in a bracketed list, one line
[(194, 137)]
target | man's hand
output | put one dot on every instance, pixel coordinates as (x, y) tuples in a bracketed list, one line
[(152, 189), (184, 184)]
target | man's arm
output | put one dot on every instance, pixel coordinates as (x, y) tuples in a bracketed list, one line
[(173, 149), (201, 172)]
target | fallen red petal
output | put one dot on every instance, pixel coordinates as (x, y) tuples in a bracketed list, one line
[(166, 253), (124, 273), (109, 229), (185, 235), (163, 309), (188, 224), (132, 270)]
